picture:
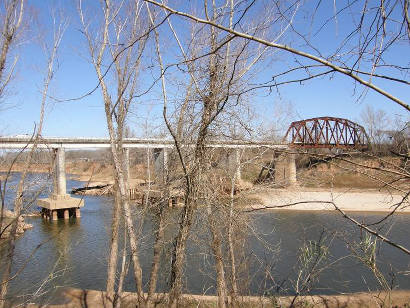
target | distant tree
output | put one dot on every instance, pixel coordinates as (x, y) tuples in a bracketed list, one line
[(378, 126)]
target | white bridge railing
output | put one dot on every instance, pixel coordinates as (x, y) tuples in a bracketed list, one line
[(79, 143)]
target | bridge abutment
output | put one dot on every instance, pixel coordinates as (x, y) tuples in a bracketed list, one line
[(59, 201)]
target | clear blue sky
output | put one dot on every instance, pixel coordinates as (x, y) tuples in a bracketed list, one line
[(75, 76)]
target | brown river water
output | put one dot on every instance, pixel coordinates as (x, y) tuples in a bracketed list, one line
[(73, 254)]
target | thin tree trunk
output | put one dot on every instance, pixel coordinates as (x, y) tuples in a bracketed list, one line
[(210, 106), (113, 254), (122, 188), (124, 270), (156, 259), (234, 292), (178, 255), (116, 112), (216, 246)]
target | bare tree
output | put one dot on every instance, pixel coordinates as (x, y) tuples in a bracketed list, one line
[(11, 19), (378, 126), (60, 25), (119, 24), (216, 81)]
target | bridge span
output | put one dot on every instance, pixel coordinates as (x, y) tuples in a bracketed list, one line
[(19, 142), (61, 204)]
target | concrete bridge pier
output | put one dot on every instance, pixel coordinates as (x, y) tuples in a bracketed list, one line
[(234, 163), (127, 164), (161, 164), (60, 203), (285, 169)]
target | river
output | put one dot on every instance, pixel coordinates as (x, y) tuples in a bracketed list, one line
[(73, 253)]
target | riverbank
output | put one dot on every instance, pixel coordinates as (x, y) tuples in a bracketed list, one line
[(349, 200), (292, 198), (94, 298)]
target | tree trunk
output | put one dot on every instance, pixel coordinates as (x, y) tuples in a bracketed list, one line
[(156, 258), (216, 246), (178, 256), (234, 292), (113, 254)]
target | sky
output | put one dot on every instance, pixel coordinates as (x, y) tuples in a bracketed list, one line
[(333, 95)]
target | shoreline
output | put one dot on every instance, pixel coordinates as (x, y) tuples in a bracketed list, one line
[(94, 298), (296, 198), (303, 200), (300, 199)]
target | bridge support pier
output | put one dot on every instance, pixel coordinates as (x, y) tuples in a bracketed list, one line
[(54, 215), (59, 201), (285, 170), (161, 164), (127, 164), (66, 214), (234, 163)]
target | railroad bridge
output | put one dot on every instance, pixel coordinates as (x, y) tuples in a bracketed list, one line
[(324, 132)]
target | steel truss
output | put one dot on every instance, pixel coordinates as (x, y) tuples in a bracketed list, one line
[(326, 132)]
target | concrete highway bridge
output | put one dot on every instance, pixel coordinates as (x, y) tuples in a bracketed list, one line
[(60, 201), (312, 133)]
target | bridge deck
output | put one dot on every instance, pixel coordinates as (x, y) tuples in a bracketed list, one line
[(80, 143)]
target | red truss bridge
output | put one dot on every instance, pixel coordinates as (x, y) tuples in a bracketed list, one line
[(326, 132)]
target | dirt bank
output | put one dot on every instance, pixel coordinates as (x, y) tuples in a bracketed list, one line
[(398, 298), (92, 172), (299, 198)]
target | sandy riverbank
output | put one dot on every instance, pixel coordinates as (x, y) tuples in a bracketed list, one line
[(348, 200), (398, 298), (304, 199)]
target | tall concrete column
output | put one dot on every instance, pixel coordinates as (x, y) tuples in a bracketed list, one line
[(127, 164), (285, 170), (60, 188), (292, 169), (234, 162), (161, 163)]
